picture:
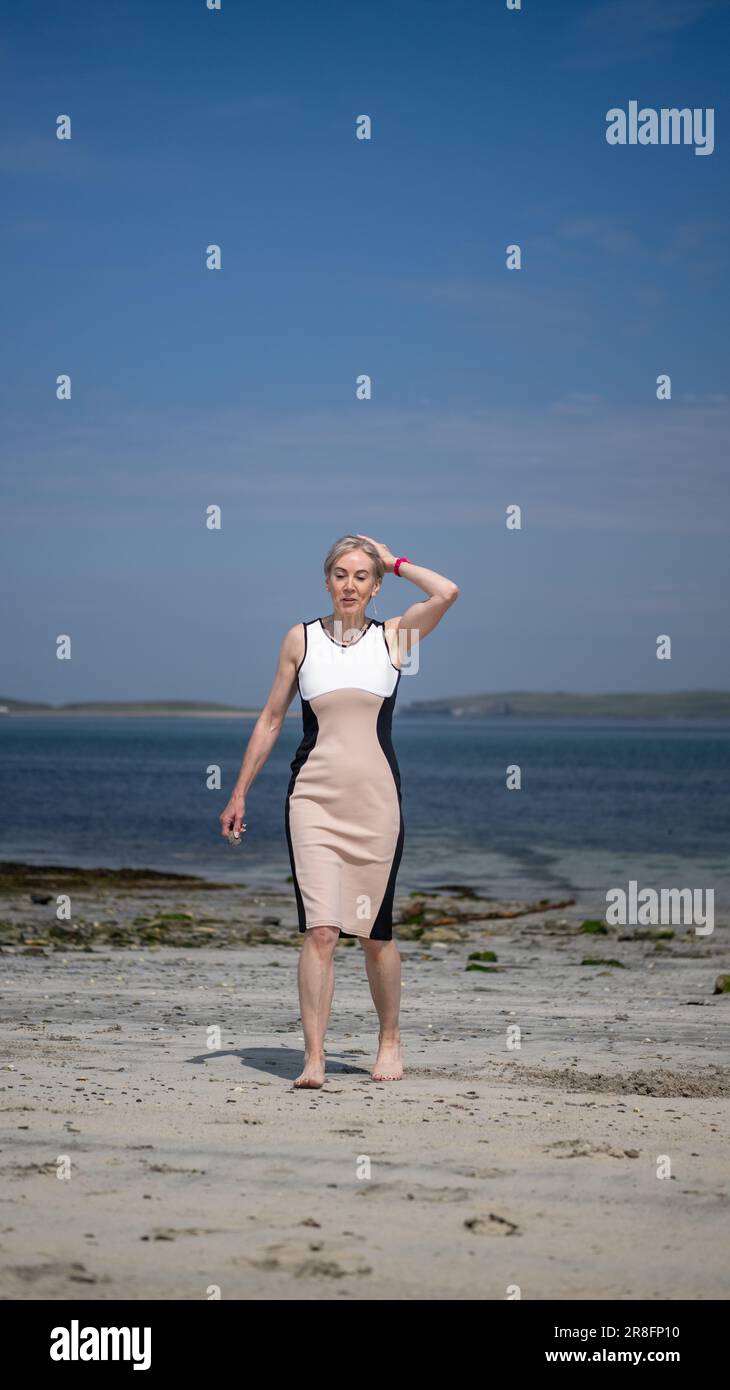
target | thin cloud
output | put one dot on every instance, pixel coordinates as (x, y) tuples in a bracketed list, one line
[(517, 306), (580, 463), (602, 234), (264, 104), (25, 152), (626, 31)]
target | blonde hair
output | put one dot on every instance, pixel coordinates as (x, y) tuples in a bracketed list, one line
[(347, 543)]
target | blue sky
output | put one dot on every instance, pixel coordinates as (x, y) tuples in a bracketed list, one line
[(236, 387)]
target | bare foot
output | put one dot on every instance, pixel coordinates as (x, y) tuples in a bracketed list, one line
[(388, 1064), (313, 1074)]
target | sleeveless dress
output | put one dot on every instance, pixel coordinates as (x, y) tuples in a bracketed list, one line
[(343, 818)]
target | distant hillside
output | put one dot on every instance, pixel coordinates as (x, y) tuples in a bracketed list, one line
[(123, 707), (679, 704)]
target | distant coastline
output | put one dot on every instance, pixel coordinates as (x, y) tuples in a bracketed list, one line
[(680, 704), (677, 704)]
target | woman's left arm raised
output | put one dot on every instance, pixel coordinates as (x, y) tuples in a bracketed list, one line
[(423, 616)]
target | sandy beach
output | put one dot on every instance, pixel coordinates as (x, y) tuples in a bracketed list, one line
[(154, 1147)]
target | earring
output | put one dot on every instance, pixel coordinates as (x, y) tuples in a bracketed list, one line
[(375, 606)]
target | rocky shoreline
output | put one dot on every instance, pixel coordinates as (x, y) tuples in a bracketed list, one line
[(130, 907), (135, 908)]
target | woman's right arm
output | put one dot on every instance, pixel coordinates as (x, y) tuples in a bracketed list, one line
[(266, 729)]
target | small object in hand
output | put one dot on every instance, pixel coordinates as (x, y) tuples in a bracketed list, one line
[(234, 839)]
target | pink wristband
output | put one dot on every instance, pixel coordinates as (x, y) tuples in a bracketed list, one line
[(402, 559)]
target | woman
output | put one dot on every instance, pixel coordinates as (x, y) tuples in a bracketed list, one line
[(343, 818)]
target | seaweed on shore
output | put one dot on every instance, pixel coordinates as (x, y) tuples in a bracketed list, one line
[(16, 876)]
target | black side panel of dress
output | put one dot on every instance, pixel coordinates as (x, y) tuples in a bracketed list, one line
[(310, 725), (383, 925)]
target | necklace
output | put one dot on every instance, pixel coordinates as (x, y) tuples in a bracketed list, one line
[(360, 632)]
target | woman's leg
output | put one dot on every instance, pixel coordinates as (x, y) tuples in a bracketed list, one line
[(382, 962), (316, 980)]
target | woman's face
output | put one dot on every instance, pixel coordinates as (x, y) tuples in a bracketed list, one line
[(351, 584)]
